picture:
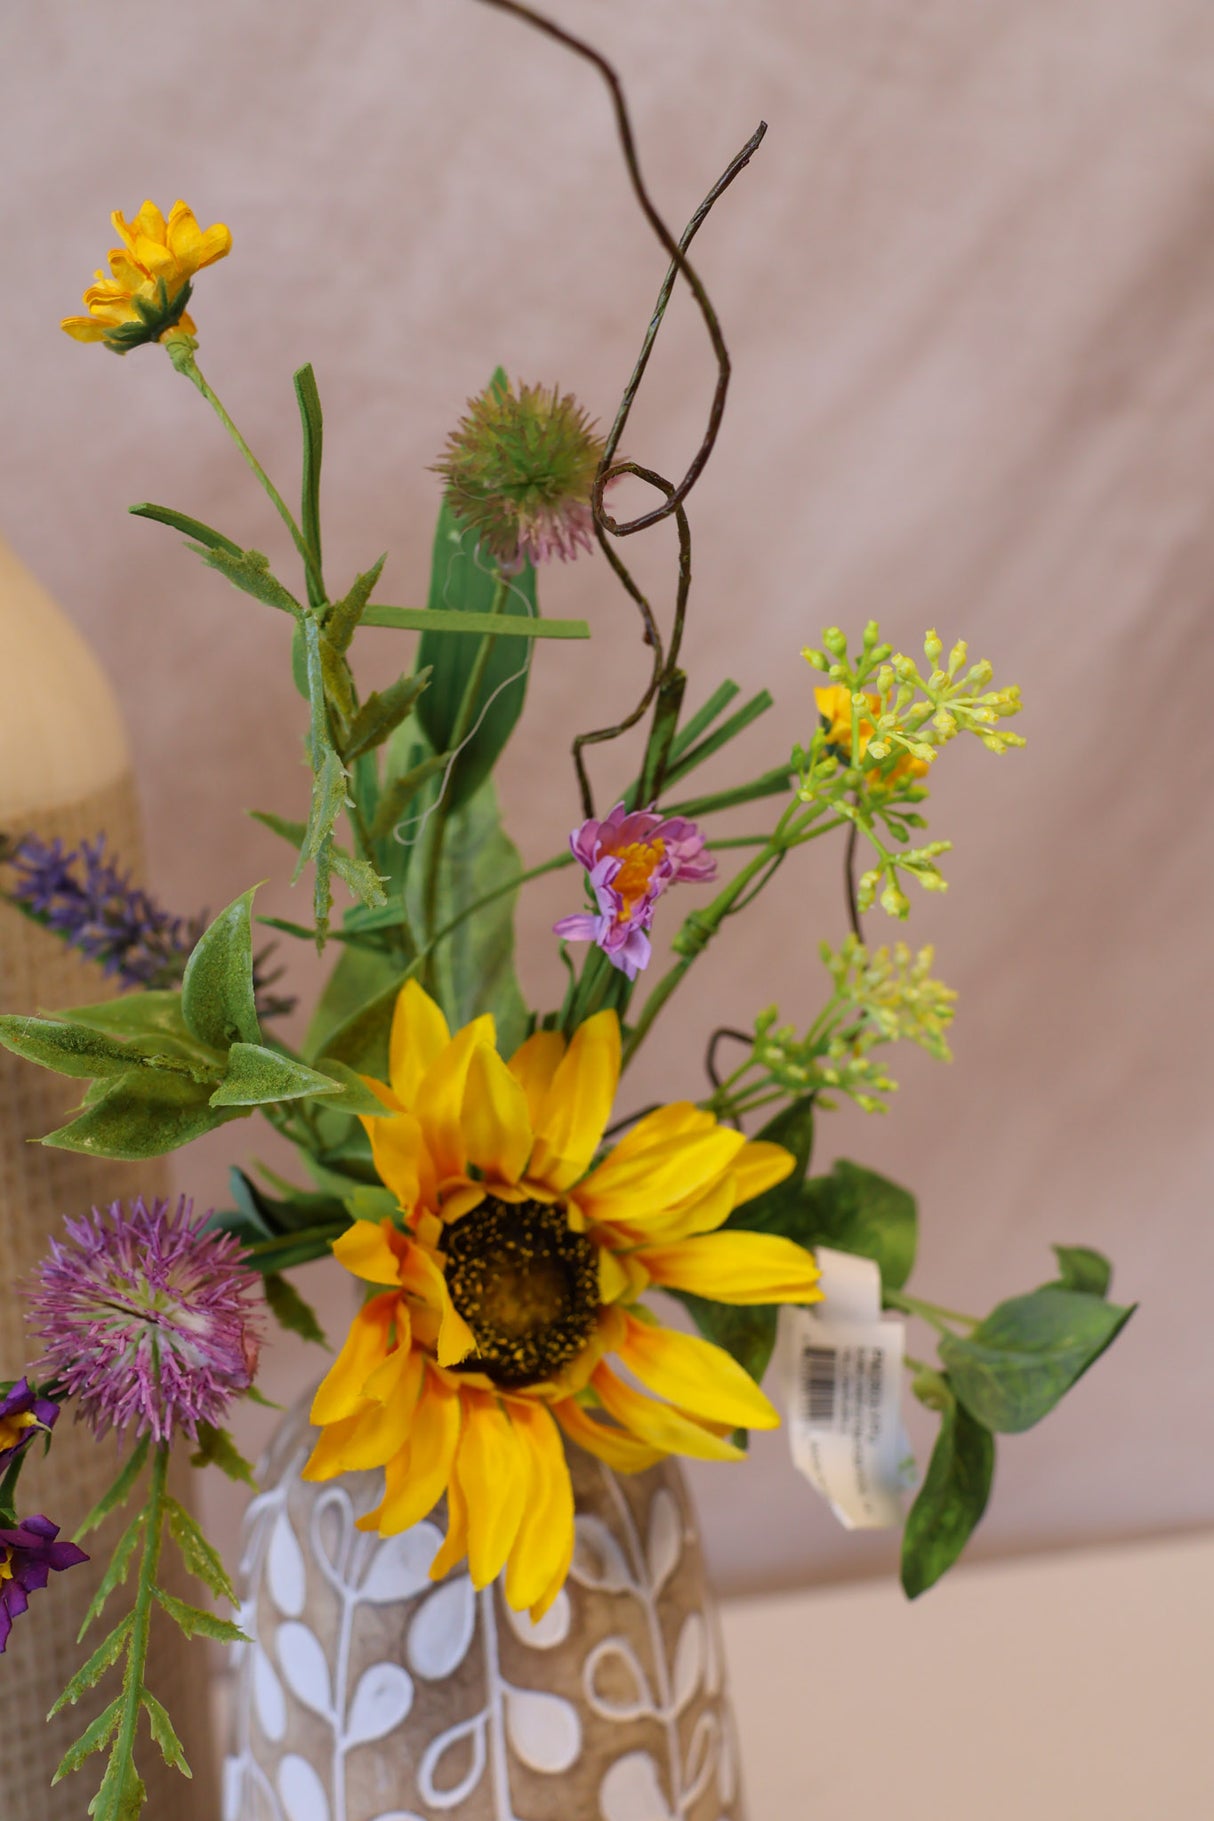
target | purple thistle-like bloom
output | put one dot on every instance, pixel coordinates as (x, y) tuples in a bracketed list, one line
[(631, 857), (28, 1555), (23, 1415), (146, 1318)]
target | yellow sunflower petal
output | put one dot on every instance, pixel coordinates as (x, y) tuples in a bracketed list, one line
[(419, 1037), (533, 1065), (578, 1103), (648, 1184), (736, 1267), (401, 1158), (701, 1214), (673, 1121), (455, 1543), (438, 1101), (416, 1479), (695, 1375), (366, 1250), (761, 1166), (377, 1430), (547, 1522), (493, 1476), (325, 1460), (659, 1424), (365, 1347), (421, 1276), (622, 1452), (496, 1121)]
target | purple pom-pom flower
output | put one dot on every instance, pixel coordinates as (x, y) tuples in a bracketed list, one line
[(23, 1415), (631, 857), (146, 1319), (28, 1554)]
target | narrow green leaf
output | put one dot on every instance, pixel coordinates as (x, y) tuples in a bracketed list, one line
[(313, 426), (339, 685), (117, 1569), (299, 659), (775, 783), (217, 1449), (143, 1114), (954, 1493), (149, 1014), (383, 711), (77, 1050), (119, 1492), (250, 572), (1028, 1353), (217, 999), (171, 1748), (467, 625), (1081, 1268), (661, 736), (257, 1076), (199, 1557), (106, 1653), (292, 832), (328, 800), (192, 527), (398, 793), (122, 1793), (704, 717), (360, 876), (290, 1310), (94, 1738), (345, 615), (729, 730), (199, 1624)]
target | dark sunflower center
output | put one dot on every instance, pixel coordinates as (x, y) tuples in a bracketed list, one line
[(525, 1284)]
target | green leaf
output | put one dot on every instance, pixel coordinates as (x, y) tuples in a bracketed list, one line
[(371, 1202), (217, 1449), (468, 625), (71, 1049), (196, 1623), (217, 999), (197, 1554), (661, 736), (1027, 1354), (119, 1492), (360, 876), (748, 1332), (117, 1569), (171, 1749), (94, 1738), (192, 527), (345, 615), (793, 1127), (461, 578), (298, 1209), (290, 1310), (1080, 1268), (122, 1793), (361, 1039), (313, 426), (328, 801), (383, 711), (689, 759), (250, 572), (399, 792), (353, 1096), (292, 832), (90, 1673), (954, 1492), (143, 1114), (150, 1014), (474, 966), (851, 1210), (257, 1076), (339, 684)]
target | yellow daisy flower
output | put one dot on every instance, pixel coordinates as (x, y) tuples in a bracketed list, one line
[(515, 1283), (834, 705), (151, 276)]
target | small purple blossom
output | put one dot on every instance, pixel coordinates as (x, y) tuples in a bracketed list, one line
[(146, 1318), (28, 1555), (23, 1415), (631, 857)]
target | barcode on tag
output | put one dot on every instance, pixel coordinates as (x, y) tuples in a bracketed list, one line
[(819, 1382)]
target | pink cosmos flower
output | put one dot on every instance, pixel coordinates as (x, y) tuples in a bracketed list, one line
[(631, 857)]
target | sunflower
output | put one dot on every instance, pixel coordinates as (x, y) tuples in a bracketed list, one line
[(514, 1282)]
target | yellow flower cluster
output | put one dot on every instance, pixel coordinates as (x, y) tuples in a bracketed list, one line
[(151, 275)]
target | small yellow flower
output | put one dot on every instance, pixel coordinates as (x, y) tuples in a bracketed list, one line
[(518, 1272), (834, 705), (151, 276)]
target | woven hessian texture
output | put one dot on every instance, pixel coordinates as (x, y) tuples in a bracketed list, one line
[(37, 1187)]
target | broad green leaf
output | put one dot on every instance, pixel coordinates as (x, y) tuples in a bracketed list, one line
[(199, 1557), (852, 1210), (277, 1255), (72, 1049), (199, 1624), (353, 1096), (94, 1738), (746, 1332), (371, 1202), (793, 1127), (298, 1209), (217, 999), (192, 527), (116, 1571), (257, 1076), (361, 1039), (313, 427), (1080, 1268), (150, 1014), (462, 578), (290, 1310), (217, 1449), (383, 711), (119, 1492), (1026, 1355), (344, 616), (954, 1492), (91, 1672), (250, 572), (143, 1114), (171, 1749)]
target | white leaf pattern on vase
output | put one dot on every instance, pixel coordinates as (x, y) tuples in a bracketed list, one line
[(305, 1668), (269, 1702), (634, 1699), (451, 1795), (442, 1630), (665, 1538), (303, 1793), (544, 1729), (598, 1560), (689, 1660), (631, 1792), (400, 1567), (546, 1633), (285, 1569), (381, 1701)]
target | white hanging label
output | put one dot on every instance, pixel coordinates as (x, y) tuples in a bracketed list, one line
[(843, 1368)]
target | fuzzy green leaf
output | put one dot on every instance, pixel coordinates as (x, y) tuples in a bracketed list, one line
[(383, 711), (328, 801), (344, 616), (217, 998), (197, 1623), (199, 1557), (116, 1571), (293, 832), (192, 527), (290, 1310), (1080, 1268), (257, 1076), (171, 1748), (71, 1049), (360, 876), (354, 1096), (94, 1738), (217, 1449), (312, 424), (106, 1653), (143, 1114), (399, 792), (1028, 1353), (151, 1014), (249, 571), (119, 1492), (339, 684), (955, 1490), (122, 1793)]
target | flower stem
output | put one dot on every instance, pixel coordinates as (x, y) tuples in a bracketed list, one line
[(137, 1648), (935, 1314)]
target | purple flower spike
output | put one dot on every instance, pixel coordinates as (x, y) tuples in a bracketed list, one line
[(146, 1319), (23, 1415), (28, 1555), (631, 858)]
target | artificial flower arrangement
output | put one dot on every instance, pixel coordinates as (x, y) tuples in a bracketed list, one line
[(469, 1161)]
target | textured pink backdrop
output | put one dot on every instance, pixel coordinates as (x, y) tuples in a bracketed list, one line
[(969, 286)]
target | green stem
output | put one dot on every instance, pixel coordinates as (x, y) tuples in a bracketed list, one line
[(499, 891), (183, 359), (935, 1314), (137, 1648)]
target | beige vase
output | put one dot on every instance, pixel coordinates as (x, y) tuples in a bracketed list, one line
[(371, 1693), (65, 772)]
